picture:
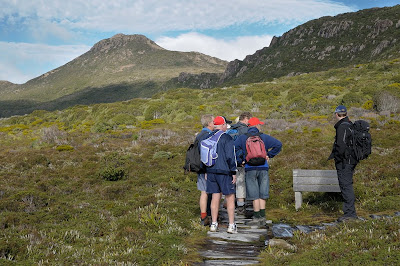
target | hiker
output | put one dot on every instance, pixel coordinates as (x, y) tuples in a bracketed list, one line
[(256, 168), (239, 129), (345, 162), (207, 122), (221, 176)]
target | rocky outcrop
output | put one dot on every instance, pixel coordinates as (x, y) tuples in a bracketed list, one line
[(120, 40), (321, 44), (201, 81)]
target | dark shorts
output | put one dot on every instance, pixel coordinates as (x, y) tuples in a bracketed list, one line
[(217, 183)]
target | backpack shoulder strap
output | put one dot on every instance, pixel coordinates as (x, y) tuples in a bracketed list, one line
[(218, 134), (251, 135)]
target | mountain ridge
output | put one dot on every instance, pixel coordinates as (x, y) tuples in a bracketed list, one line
[(120, 59), (319, 44), (130, 66)]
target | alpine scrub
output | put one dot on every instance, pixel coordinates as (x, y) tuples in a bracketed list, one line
[(58, 207)]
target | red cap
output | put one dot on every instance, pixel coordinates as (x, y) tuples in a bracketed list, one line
[(254, 121), (219, 120)]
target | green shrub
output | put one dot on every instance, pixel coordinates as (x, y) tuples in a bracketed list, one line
[(316, 131), (162, 155), (65, 148), (368, 105), (111, 173)]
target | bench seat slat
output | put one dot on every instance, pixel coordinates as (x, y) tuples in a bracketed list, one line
[(316, 188), (314, 173), (315, 180)]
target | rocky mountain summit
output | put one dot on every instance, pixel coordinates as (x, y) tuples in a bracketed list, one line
[(118, 68), (321, 44)]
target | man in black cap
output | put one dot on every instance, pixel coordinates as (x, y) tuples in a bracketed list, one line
[(345, 162)]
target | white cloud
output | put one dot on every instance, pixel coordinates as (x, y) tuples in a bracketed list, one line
[(77, 21), (168, 15), (20, 62), (229, 50)]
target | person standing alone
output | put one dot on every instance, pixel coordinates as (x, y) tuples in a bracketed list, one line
[(345, 162)]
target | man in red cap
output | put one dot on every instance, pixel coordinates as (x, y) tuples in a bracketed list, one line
[(221, 177), (256, 168)]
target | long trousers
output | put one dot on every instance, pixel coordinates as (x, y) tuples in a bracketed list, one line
[(345, 175)]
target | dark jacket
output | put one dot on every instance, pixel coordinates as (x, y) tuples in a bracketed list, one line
[(272, 146), (226, 161), (241, 128), (341, 150)]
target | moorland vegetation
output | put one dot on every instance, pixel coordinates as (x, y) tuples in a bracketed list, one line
[(104, 184)]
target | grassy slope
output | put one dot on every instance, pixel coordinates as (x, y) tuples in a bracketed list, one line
[(57, 206)]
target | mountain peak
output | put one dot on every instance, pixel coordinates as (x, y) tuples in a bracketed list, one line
[(136, 41)]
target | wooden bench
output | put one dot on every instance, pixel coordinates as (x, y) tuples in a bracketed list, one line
[(313, 181)]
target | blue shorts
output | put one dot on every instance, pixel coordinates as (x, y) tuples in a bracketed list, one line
[(257, 184), (201, 182), (217, 183)]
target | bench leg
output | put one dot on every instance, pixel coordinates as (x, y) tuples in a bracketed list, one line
[(298, 198)]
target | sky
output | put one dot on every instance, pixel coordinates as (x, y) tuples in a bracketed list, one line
[(37, 36)]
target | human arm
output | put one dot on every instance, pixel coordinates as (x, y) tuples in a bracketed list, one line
[(272, 146)]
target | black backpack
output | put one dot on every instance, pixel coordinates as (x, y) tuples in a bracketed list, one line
[(193, 160), (361, 141)]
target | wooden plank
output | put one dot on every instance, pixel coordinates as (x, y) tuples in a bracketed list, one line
[(316, 188), (298, 200), (315, 180), (314, 173)]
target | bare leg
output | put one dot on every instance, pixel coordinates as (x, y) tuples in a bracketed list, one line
[(203, 202), (262, 204), (216, 198), (230, 202), (257, 205)]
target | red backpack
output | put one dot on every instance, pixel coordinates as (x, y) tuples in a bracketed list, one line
[(255, 149)]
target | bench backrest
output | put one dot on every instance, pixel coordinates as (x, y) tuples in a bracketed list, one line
[(315, 180)]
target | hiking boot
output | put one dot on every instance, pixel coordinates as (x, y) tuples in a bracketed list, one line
[(205, 221), (240, 210), (255, 221), (262, 221), (214, 227), (232, 229), (346, 218)]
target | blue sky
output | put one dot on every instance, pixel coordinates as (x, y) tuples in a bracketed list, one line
[(37, 36)]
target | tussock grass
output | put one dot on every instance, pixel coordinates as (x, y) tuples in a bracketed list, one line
[(116, 193)]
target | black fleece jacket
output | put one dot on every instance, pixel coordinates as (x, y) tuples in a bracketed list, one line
[(341, 150)]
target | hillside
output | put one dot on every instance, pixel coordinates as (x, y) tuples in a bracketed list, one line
[(115, 69), (104, 184), (321, 44)]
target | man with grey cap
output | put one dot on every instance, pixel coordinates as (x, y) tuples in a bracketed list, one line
[(345, 162)]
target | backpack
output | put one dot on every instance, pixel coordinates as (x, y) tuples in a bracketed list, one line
[(233, 132), (255, 148), (208, 149), (193, 162), (361, 141)]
